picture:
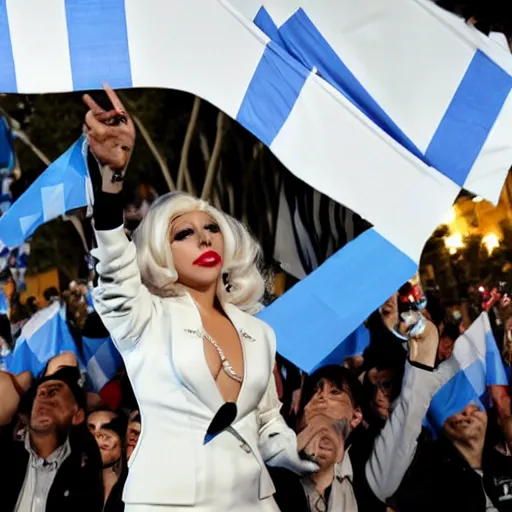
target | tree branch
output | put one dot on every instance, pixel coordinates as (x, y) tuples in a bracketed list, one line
[(212, 166), (183, 172), (149, 141)]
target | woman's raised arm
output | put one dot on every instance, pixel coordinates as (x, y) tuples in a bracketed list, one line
[(122, 301)]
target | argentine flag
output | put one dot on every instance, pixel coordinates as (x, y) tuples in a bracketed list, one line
[(419, 72), (64, 186), (102, 361), (476, 364), (44, 336), (379, 135)]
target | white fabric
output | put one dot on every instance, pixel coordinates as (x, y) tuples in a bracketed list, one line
[(178, 397), (325, 141), (407, 181), (411, 56), (38, 37)]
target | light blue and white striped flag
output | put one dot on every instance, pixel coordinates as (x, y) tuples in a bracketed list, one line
[(476, 364), (64, 186), (44, 336), (342, 146), (419, 72), (102, 361)]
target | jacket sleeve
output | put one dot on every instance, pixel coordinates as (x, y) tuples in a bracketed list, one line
[(277, 441), (274, 434), (122, 301), (395, 447)]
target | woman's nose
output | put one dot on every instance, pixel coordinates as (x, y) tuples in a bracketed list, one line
[(205, 241)]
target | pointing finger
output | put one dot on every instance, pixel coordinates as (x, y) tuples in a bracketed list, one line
[(96, 109), (114, 99)]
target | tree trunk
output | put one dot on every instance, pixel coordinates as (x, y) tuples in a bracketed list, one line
[(214, 160), (183, 172)]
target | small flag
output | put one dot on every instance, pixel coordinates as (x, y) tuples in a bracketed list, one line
[(102, 361), (64, 186), (44, 336), (477, 364)]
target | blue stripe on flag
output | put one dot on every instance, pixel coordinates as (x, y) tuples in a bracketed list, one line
[(102, 360), (267, 25), (469, 118), (67, 174), (369, 263), (353, 345), (304, 41), (470, 384), (454, 396), (7, 69), (98, 44), (51, 338), (269, 99), (496, 373), (23, 359), (465, 126)]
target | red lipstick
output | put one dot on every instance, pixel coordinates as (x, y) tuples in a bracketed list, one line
[(208, 259)]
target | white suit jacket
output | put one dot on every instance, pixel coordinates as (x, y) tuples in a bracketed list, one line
[(175, 390)]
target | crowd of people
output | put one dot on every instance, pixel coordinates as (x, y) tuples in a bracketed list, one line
[(203, 415)]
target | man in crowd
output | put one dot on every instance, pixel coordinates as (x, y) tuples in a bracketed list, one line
[(331, 410), (132, 433), (49, 460), (456, 471)]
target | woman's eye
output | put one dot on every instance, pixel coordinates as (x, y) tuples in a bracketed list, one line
[(181, 235), (213, 228)]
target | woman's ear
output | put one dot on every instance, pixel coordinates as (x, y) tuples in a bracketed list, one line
[(357, 417), (79, 417)]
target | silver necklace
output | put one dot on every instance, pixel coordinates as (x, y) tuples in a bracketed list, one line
[(226, 365)]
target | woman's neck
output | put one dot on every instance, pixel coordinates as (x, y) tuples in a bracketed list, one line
[(472, 451), (323, 479), (110, 478), (205, 299)]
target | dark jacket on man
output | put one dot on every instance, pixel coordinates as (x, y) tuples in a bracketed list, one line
[(78, 484), (440, 479)]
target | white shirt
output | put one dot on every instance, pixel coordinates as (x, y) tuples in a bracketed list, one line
[(39, 477)]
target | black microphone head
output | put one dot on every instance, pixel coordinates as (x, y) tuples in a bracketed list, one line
[(221, 421)]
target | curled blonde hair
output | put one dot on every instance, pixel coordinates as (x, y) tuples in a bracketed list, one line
[(242, 254)]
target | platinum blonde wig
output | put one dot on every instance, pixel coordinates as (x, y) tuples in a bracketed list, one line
[(240, 260)]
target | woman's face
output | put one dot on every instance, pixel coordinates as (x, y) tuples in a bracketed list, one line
[(132, 437), (108, 441), (197, 249)]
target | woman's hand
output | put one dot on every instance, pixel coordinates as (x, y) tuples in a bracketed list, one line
[(423, 348), (111, 136)]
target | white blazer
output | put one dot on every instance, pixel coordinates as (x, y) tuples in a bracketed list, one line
[(176, 392)]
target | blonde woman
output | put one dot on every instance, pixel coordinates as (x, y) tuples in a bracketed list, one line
[(178, 302)]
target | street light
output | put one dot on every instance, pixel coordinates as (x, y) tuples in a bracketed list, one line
[(454, 242), (450, 216), (491, 242)]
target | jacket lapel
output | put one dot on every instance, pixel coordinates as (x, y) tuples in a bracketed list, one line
[(190, 362), (257, 359), (188, 353)]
